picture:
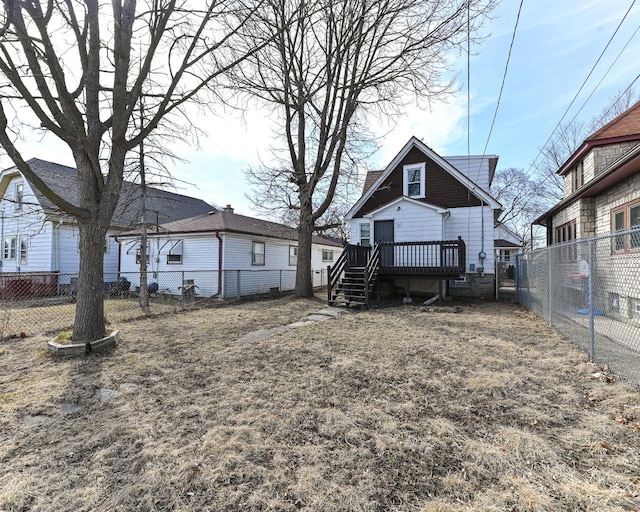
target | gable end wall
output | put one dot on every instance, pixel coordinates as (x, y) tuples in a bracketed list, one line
[(442, 189)]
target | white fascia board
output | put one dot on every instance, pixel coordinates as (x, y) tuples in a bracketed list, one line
[(415, 142), (404, 199)]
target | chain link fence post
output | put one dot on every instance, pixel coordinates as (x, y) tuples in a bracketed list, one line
[(590, 300)]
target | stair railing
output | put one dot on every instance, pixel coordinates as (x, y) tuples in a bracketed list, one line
[(334, 273), (371, 272)]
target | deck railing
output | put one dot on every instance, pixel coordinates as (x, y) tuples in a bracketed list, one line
[(441, 257)]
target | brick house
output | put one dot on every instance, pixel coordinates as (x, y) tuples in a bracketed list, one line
[(601, 196)]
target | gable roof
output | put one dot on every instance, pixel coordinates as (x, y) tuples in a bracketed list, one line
[(227, 221), (405, 199), (168, 206), (377, 179), (624, 128)]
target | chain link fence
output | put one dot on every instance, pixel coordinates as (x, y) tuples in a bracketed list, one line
[(590, 291), (35, 303)]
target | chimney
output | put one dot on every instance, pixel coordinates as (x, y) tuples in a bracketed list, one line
[(228, 209)]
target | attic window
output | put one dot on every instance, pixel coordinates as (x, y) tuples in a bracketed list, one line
[(414, 180), (19, 198)]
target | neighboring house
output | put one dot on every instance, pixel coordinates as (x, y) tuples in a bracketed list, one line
[(420, 200), (224, 254), (602, 195), (506, 243), (37, 237)]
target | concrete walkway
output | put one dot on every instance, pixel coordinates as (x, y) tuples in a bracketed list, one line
[(319, 316)]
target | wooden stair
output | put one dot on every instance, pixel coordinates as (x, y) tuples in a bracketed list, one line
[(352, 289)]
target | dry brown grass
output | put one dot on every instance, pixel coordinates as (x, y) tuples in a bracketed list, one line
[(394, 409)]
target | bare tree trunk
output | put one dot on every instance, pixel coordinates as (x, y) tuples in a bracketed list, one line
[(89, 317), (304, 283)]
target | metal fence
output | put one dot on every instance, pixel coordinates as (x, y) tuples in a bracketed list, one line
[(34, 303), (590, 291)]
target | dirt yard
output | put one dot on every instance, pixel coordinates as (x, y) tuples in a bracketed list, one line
[(406, 408)]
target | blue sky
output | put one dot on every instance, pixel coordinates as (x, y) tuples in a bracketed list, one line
[(556, 45)]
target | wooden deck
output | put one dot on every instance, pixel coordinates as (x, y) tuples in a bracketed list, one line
[(358, 268)]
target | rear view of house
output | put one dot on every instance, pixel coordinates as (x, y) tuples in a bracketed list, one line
[(429, 222)]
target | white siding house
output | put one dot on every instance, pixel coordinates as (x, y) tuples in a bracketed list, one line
[(423, 197), (37, 237), (224, 254)]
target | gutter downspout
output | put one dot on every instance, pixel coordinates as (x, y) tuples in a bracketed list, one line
[(56, 252), (219, 262), (119, 253)]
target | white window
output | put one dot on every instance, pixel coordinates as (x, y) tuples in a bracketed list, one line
[(9, 252), (19, 198), (365, 234), (327, 255), (139, 259), (24, 247), (257, 253), (414, 180), (293, 255), (174, 256)]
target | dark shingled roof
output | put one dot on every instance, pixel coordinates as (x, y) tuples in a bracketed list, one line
[(168, 205), (500, 242), (228, 221)]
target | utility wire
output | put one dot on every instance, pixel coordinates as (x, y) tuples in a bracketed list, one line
[(504, 78), (581, 87), (602, 79)]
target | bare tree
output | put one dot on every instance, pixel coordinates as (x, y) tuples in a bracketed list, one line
[(79, 69), (514, 189), (331, 68), (568, 137)]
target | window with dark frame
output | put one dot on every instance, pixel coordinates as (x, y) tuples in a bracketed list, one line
[(567, 232), (293, 255), (623, 218), (614, 302), (257, 253), (634, 308), (577, 176)]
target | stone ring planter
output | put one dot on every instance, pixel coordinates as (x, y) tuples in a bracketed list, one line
[(80, 349)]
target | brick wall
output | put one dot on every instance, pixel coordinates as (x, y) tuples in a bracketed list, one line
[(606, 155), (616, 196)]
